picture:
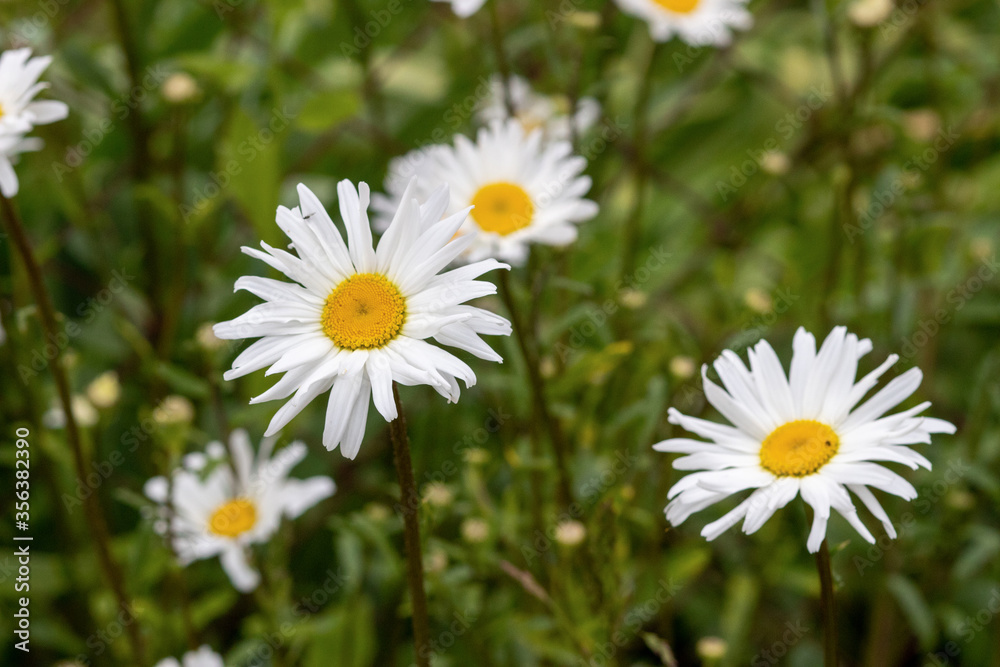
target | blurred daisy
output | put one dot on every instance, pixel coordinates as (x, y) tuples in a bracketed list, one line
[(221, 509), (523, 191), (800, 435), (358, 319), (203, 657), (697, 22), (464, 8), (20, 112), (534, 111), (11, 147)]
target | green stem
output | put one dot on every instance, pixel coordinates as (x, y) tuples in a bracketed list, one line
[(92, 510), (829, 605), (410, 502), (531, 359)]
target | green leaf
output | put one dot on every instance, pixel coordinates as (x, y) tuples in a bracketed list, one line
[(914, 607), (248, 169), (346, 638), (327, 108)]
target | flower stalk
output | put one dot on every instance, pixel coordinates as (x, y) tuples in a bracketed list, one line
[(410, 504), (829, 605), (92, 511)]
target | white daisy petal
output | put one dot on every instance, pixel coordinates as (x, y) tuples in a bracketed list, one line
[(234, 562), (240, 503), (356, 320), (800, 434), (524, 191), (697, 22)]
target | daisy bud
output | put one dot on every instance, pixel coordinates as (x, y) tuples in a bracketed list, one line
[(105, 390)]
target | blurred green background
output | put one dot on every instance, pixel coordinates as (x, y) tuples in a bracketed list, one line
[(817, 172)]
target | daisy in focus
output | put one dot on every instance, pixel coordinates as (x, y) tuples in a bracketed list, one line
[(219, 506), (696, 22), (535, 110), (802, 434), (523, 190), (358, 319), (464, 8), (203, 657), (20, 112)]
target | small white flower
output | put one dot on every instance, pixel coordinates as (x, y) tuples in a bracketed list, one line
[(535, 111), (801, 434), (20, 112), (236, 504), (523, 190), (203, 657), (697, 22), (358, 318), (465, 8)]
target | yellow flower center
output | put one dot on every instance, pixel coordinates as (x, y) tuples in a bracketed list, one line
[(364, 312), (234, 518), (798, 448), (1, 111), (678, 6), (502, 208)]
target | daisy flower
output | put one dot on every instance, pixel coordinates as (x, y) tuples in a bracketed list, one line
[(523, 191), (203, 657), (20, 112), (697, 22), (535, 111), (220, 509), (358, 319), (464, 8), (804, 434)]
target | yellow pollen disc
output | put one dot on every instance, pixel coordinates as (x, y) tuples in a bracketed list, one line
[(502, 208), (678, 6), (798, 448), (234, 518), (363, 312)]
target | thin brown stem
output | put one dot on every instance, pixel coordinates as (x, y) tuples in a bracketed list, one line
[(529, 351), (410, 504), (829, 605), (92, 510)]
